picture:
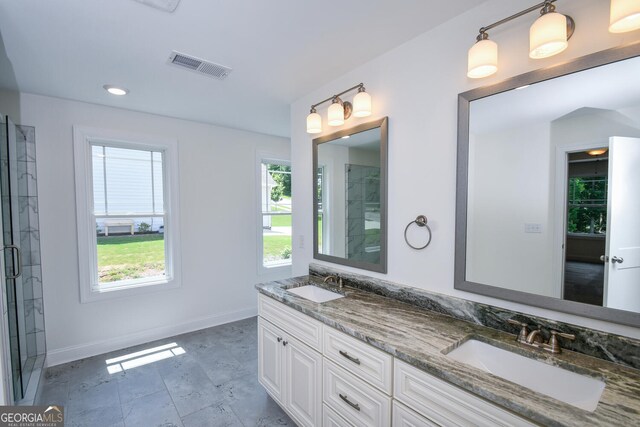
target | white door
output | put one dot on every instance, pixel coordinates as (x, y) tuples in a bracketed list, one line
[(270, 359), (622, 272), (304, 383)]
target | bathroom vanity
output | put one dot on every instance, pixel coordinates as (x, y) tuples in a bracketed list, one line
[(370, 360)]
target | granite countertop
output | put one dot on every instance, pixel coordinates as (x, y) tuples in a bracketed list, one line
[(422, 338)]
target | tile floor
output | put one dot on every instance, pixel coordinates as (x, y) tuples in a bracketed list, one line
[(204, 378)]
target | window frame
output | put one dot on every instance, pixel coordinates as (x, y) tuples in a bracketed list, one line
[(84, 138), (326, 208), (266, 158)]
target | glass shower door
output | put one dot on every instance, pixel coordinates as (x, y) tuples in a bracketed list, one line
[(11, 243)]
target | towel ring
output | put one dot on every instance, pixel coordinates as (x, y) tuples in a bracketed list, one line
[(420, 221)]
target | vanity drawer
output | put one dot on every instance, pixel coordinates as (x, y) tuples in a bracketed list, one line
[(331, 419), (301, 326), (445, 403), (370, 364), (356, 401), (405, 417)]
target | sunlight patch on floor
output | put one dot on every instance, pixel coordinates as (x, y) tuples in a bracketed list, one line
[(143, 357)]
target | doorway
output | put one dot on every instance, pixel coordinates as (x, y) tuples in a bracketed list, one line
[(586, 225)]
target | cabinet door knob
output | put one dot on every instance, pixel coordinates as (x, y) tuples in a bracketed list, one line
[(279, 339), (284, 343)]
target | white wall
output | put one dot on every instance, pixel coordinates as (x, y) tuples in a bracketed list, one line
[(218, 201), (501, 207), (416, 85)]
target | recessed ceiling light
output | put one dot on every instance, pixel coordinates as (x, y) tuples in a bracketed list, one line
[(114, 90), (597, 151), (522, 87), (346, 137)]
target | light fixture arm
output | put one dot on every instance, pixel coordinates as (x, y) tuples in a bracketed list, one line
[(359, 86), (544, 7)]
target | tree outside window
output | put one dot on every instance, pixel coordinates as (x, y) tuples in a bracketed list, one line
[(587, 210)]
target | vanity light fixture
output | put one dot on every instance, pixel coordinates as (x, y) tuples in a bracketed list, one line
[(340, 110), (550, 33), (624, 16), (548, 36), (115, 90), (483, 57), (314, 121)]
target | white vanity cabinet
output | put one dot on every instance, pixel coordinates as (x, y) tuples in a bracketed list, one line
[(290, 371), (324, 377)]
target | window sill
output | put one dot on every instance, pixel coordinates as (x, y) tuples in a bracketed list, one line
[(274, 268), (130, 289)]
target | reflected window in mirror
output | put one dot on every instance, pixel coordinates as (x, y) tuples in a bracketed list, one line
[(350, 197)]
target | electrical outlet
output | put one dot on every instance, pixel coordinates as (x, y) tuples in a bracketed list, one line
[(301, 241), (532, 228)]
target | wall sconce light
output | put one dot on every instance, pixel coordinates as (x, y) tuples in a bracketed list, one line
[(314, 122), (548, 36), (340, 110), (483, 57), (625, 16)]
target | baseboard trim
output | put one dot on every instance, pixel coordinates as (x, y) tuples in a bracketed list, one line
[(76, 352)]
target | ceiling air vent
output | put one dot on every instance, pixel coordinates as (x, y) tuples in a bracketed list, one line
[(199, 65)]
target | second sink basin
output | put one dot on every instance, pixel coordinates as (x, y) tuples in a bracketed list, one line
[(569, 387), (315, 293)]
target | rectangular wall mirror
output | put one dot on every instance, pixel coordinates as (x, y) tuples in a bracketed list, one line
[(350, 197), (548, 204)]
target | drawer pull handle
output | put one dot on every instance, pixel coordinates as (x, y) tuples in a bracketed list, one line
[(351, 358), (350, 403)]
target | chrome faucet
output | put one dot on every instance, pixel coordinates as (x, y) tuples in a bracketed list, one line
[(534, 338), (335, 280)]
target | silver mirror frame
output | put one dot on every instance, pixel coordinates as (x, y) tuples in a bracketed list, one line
[(464, 99), (383, 124)]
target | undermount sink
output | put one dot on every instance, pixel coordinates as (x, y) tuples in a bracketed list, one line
[(315, 293), (569, 387)]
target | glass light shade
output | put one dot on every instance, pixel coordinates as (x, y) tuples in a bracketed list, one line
[(336, 114), (362, 104), (548, 35), (625, 16), (314, 123), (482, 59)]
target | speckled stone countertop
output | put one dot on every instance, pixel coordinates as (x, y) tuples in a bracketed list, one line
[(422, 338)]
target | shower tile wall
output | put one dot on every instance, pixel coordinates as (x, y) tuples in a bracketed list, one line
[(30, 241), (363, 206)]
